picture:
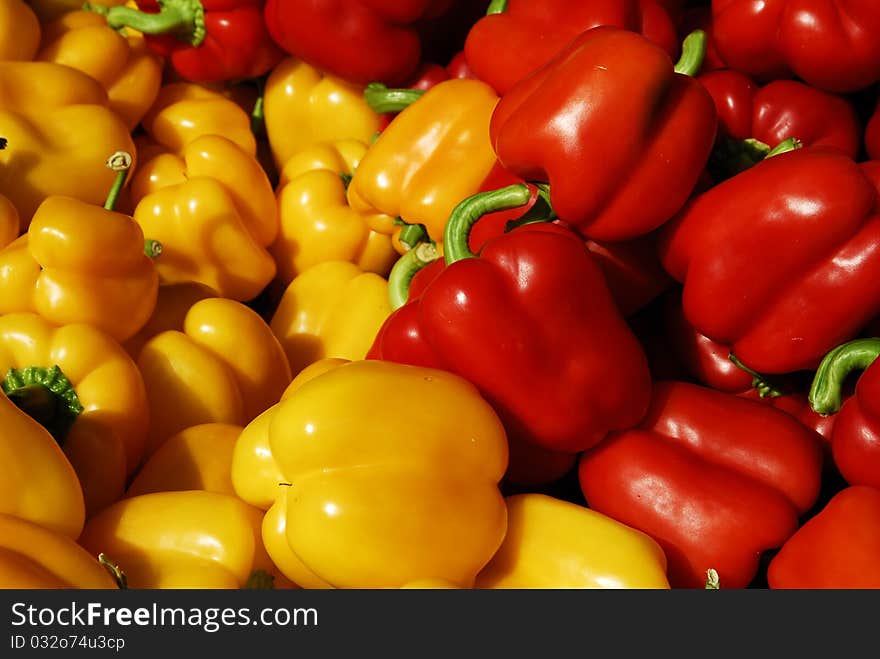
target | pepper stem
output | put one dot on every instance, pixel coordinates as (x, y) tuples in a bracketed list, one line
[(382, 100), (825, 392), (260, 580), (713, 582), (119, 162), (46, 395), (496, 7), (405, 269), (471, 209), (183, 18), (541, 210), (759, 382), (114, 570), (693, 52), (786, 145)]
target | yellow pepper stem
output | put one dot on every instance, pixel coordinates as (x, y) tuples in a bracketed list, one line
[(382, 100), (46, 395), (119, 162), (183, 18), (405, 269), (260, 580), (114, 570)]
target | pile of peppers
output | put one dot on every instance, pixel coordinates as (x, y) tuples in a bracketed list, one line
[(494, 294)]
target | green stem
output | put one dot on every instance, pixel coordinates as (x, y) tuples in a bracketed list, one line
[(471, 209), (693, 52), (152, 248), (260, 580), (760, 382), (382, 100), (119, 162), (712, 580), (114, 570), (541, 210), (183, 18), (413, 234), (405, 269), (496, 7), (46, 395), (825, 392), (784, 146)]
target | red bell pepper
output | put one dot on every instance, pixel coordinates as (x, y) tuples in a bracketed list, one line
[(836, 548), (360, 41), (531, 323), (715, 479), (781, 261), (517, 37), (855, 441), (621, 165), (204, 40), (830, 45), (753, 119)]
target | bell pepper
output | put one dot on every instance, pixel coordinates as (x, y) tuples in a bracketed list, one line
[(49, 10), (32, 556), (715, 479), (80, 385), (801, 302), (376, 41), (20, 31), (522, 322), (651, 128), (551, 543), (129, 71), (188, 539), (333, 309), (855, 440), (39, 102), (322, 107), (10, 224), (223, 365), (203, 40), (184, 111), (417, 504), (824, 45), (80, 263), (316, 222), (435, 153), (214, 212), (37, 482), (752, 119), (517, 37), (836, 548), (196, 458)]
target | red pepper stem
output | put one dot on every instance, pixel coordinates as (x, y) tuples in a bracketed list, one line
[(405, 269), (183, 18), (759, 382), (119, 162), (856, 355), (693, 52), (471, 209), (383, 100), (496, 7)]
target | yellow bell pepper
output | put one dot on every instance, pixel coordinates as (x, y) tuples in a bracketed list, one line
[(80, 263), (48, 10), (322, 108), (213, 210), (432, 155), (377, 501), (32, 556), (552, 543), (333, 309), (196, 458), (185, 539), (224, 365), (19, 31), (79, 384), (317, 224), (128, 70), (37, 482), (10, 224), (40, 104), (184, 111)]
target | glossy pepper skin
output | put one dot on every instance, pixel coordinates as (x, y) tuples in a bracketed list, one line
[(129, 71), (836, 548), (32, 556), (38, 482), (651, 128), (94, 403), (223, 365), (185, 539), (10, 223), (377, 41), (361, 475), (20, 31), (203, 40), (551, 543), (821, 206), (434, 154), (808, 39), (323, 107), (503, 48), (715, 479), (316, 223), (39, 101)]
